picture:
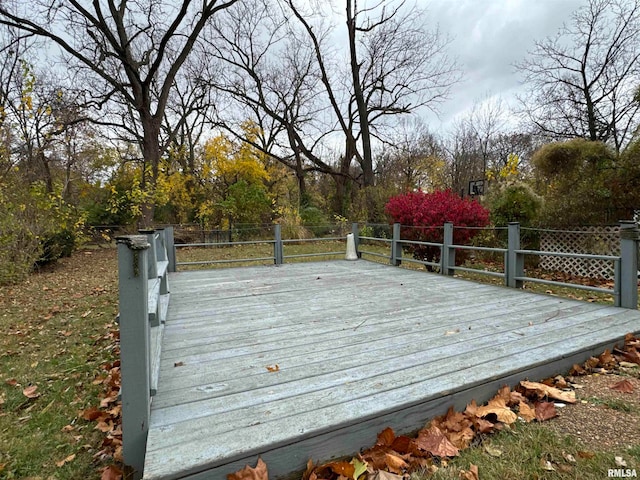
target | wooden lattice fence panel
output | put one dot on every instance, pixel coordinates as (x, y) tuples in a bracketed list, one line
[(592, 240)]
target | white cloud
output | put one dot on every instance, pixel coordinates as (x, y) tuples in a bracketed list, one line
[(488, 37)]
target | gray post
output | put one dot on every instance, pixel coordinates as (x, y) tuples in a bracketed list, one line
[(161, 245), (171, 249), (515, 261), (396, 246), (153, 253), (448, 255), (356, 237), (629, 236), (278, 254), (134, 347)]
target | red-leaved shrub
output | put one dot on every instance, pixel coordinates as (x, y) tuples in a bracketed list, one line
[(422, 216)]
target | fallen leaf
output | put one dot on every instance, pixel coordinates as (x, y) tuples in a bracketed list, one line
[(568, 457), (620, 462), (435, 442), (62, 463), (91, 414), (606, 359), (494, 452), (545, 411), (382, 475), (30, 392), (586, 455), (547, 465), (273, 368), (471, 474), (386, 437), (111, 472), (67, 428), (178, 364), (359, 468), (498, 407), (12, 382), (342, 468), (395, 464), (543, 390), (527, 413), (624, 386), (248, 473), (628, 364)]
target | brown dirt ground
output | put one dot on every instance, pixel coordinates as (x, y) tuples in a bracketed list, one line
[(597, 419)]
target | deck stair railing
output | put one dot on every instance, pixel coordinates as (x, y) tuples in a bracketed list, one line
[(144, 263)]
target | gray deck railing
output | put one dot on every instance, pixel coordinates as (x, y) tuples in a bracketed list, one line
[(277, 242), (144, 262), (624, 291)]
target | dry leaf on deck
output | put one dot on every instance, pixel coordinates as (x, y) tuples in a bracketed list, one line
[(249, 473), (543, 390), (273, 368), (624, 386)]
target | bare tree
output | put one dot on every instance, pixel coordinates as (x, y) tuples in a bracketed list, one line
[(129, 51), (414, 159), (582, 81)]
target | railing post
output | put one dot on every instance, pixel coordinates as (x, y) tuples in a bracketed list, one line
[(278, 254), (629, 236), (134, 347), (153, 252), (448, 256), (171, 249), (356, 237), (396, 246), (515, 261)]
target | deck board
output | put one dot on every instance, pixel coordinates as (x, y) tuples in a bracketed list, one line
[(360, 346)]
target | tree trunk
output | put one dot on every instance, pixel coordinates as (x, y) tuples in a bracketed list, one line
[(363, 117), (151, 155)]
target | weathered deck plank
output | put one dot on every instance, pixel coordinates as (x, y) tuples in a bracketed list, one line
[(360, 346)]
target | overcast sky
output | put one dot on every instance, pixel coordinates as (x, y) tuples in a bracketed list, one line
[(488, 36)]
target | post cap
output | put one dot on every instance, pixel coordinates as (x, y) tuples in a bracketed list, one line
[(134, 242)]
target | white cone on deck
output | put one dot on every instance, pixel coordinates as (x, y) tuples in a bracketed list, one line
[(351, 248)]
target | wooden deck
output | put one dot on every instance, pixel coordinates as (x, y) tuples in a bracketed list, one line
[(359, 346)]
